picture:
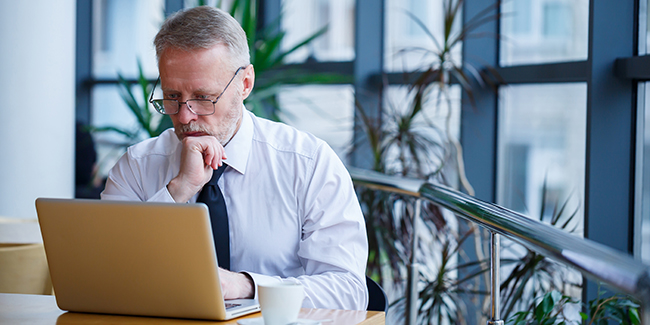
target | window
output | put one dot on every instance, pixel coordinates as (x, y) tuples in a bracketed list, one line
[(303, 18), (123, 33), (325, 111), (540, 31), (565, 127), (406, 42), (642, 196), (541, 148), (557, 20), (533, 56), (642, 238), (521, 17)]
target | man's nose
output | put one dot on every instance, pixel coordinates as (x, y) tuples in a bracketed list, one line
[(185, 115)]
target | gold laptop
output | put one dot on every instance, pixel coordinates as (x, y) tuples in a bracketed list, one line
[(134, 258)]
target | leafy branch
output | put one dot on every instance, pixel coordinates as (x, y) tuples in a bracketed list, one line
[(600, 311)]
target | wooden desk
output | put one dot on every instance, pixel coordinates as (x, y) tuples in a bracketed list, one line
[(42, 310)]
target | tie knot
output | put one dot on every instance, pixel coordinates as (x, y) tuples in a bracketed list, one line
[(216, 174)]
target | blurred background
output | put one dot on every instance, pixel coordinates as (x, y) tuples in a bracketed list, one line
[(527, 94)]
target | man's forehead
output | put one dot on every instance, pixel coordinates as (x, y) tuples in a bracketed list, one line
[(193, 65), (218, 54), (190, 88)]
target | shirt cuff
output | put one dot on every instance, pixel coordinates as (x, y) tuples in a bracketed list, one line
[(162, 196), (261, 279)]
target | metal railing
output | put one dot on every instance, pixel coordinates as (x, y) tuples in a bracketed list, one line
[(596, 261)]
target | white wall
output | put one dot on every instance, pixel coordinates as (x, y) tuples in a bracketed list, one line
[(37, 65)]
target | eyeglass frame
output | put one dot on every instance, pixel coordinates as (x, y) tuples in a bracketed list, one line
[(178, 109)]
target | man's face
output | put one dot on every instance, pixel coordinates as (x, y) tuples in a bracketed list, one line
[(203, 74)]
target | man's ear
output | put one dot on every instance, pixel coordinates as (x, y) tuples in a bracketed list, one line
[(248, 81)]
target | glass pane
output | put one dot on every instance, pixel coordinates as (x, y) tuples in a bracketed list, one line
[(644, 28), (302, 18), (542, 31), (541, 168), (408, 46), (123, 33), (109, 110), (431, 128), (642, 188), (642, 220), (541, 150), (324, 111)]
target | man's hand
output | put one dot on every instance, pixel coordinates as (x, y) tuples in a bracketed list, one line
[(199, 157), (236, 285)]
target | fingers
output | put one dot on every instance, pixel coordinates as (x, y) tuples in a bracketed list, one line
[(235, 285), (199, 156), (214, 155), (223, 275), (209, 157), (209, 148), (226, 279)]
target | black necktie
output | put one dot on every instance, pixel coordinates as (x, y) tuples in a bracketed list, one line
[(212, 197)]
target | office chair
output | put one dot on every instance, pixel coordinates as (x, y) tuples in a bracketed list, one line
[(377, 300), (24, 269)]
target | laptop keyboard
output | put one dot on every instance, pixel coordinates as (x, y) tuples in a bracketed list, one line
[(231, 305)]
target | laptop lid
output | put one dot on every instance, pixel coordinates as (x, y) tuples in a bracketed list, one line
[(134, 258)]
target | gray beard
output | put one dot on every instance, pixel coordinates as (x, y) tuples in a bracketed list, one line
[(225, 133)]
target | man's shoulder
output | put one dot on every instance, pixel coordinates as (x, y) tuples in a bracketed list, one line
[(163, 145), (285, 138)]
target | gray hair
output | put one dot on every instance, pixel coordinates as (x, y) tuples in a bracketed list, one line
[(202, 28)]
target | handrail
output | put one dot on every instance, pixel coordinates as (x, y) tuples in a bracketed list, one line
[(598, 262)]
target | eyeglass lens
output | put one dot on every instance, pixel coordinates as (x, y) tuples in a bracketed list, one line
[(198, 106), (172, 106)]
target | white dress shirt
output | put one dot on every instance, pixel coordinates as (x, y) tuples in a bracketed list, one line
[(292, 210)]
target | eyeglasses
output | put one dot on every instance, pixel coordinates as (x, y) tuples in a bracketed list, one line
[(196, 106)]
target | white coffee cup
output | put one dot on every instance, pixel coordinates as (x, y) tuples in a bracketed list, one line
[(280, 303)]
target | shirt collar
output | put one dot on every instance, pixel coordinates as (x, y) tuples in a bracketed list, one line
[(239, 147)]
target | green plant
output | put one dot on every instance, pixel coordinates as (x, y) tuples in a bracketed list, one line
[(407, 141), (440, 298), (550, 309), (267, 56), (533, 274), (149, 122), (440, 257), (389, 217), (620, 309), (443, 67)]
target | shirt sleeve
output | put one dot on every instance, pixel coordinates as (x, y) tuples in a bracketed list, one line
[(334, 246), (122, 183)]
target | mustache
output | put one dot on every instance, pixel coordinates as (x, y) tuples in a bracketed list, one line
[(183, 128)]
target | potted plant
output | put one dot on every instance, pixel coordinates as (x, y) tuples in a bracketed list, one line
[(410, 144)]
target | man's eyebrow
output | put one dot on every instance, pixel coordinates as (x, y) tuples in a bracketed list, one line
[(206, 91), (196, 91), (168, 90)]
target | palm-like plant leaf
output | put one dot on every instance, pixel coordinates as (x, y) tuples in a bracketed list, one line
[(534, 274), (268, 56), (152, 125), (129, 99), (410, 144)]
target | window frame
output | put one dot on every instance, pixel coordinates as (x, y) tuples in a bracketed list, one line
[(612, 71)]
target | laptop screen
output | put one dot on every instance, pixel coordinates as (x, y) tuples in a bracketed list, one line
[(135, 258)]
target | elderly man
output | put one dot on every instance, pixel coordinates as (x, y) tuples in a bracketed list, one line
[(281, 202)]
